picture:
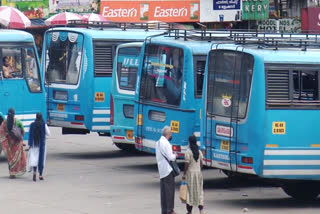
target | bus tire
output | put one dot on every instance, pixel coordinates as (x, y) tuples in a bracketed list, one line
[(302, 190), (126, 147)]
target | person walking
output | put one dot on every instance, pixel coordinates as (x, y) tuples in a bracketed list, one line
[(193, 176), (13, 146), (37, 139), (164, 154)]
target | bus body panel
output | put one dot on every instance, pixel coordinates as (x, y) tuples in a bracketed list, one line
[(182, 115), (83, 103), (122, 92), (24, 92), (277, 141)]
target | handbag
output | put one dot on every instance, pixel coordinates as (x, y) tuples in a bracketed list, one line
[(15, 134), (33, 158), (173, 164), (183, 192)]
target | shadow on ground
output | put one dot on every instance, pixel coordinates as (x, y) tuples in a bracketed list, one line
[(98, 155), (235, 183), (274, 203)]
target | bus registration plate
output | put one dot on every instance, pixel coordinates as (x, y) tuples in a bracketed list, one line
[(225, 145), (130, 134), (60, 107)]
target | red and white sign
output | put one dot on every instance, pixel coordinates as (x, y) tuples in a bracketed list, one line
[(224, 131), (143, 11), (226, 102)]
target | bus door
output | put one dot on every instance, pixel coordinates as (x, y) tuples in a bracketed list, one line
[(160, 96), (229, 80)]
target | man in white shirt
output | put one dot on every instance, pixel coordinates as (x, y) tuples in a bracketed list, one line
[(167, 185)]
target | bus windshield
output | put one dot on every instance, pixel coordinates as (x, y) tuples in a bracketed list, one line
[(127, 67), (229, 82), (21, 63), (162, 75), (63, 57)]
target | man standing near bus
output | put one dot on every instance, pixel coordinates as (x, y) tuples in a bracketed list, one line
[(164, 154)]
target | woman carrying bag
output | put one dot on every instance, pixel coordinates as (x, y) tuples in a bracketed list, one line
[(193, 176), (37, 151)]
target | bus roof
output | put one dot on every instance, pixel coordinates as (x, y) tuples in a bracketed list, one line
[(282, 55), (111, 33), (15, 36), (197, 47)]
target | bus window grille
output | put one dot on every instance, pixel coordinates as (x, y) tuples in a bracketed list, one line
[(278, 85), (103, 63)]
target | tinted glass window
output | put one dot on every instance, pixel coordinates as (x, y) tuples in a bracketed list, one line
[(162, 75), (127, 67), (305, 85), (200, 65), (229, 82)]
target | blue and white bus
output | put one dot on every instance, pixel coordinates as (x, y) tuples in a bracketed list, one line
[(168, 92), (78, 64), (260, 114), (21, 85), (123, 85)]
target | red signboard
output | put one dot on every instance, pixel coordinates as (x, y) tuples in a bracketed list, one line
[(310, 19), (143, 11)]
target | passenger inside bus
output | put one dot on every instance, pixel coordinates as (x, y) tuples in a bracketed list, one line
[(31, 64), (9, 70)]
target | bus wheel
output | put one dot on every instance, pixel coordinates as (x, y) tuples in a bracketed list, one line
[(126, 147), (302, 190)]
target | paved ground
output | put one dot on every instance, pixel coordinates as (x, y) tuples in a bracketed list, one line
[(87, 174)]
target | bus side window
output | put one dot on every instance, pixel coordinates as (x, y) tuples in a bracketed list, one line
[(199, 74), (305, 85), (11, 63)]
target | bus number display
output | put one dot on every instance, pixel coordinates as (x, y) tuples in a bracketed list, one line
[(60, 107), (99, 97), (175, 126), (278, 127), (225, 145)]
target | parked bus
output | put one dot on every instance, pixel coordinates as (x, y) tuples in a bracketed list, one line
[(78, 65), (168, 92), (261, 105), (122, 94), (21, 85)]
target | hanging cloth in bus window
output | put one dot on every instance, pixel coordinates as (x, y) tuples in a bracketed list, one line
[(161, 71), (63, 36), (72, 37), (55, 36)]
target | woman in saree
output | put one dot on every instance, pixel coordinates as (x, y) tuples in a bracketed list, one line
[(13, 149)]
